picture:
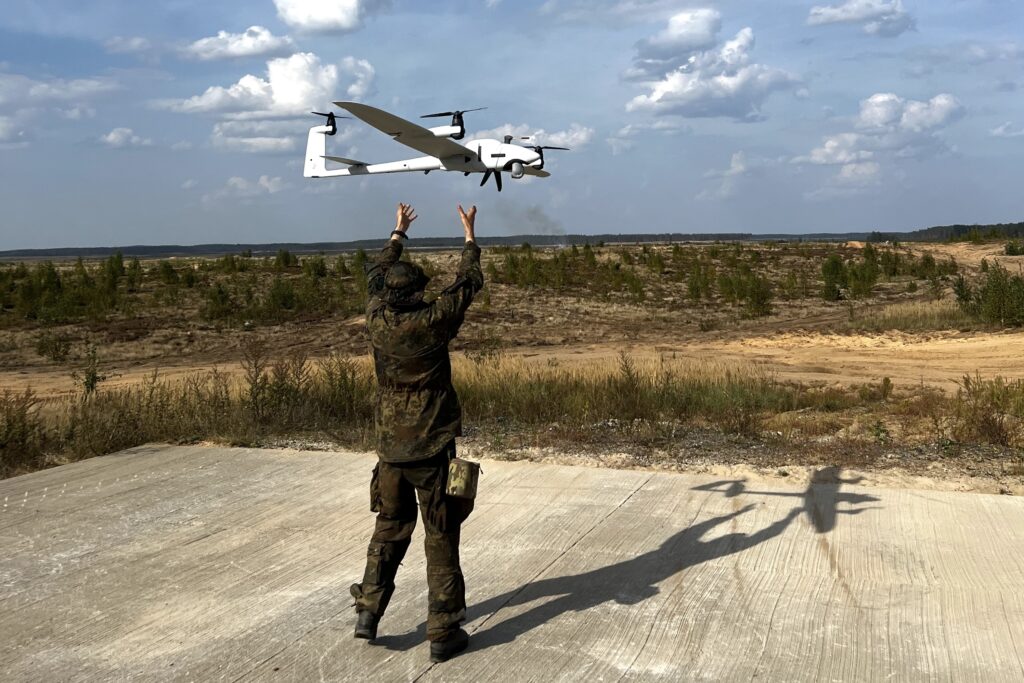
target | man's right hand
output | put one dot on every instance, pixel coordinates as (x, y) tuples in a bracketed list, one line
[(468, 222)]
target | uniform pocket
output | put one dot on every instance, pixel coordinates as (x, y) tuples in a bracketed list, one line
[(375, 499)]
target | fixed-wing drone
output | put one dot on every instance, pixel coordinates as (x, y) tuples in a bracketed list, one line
[(441, 144)]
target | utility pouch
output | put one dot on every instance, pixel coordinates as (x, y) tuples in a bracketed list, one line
[(463, 476)]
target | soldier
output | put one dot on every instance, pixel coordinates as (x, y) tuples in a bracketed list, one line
[(417, 419)]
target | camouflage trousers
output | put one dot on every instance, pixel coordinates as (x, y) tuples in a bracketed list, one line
[(394, 490)]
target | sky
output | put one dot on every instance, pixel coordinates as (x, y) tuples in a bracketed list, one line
[(184, 121)]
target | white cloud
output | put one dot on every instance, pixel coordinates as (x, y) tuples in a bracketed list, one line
[(293, 85), (22, 91), (126, 45), (889, 112), (273, 136), (687, 32), (859, 174), (258, 112), (607, 11), (887, 127), (10, 131), (252, 141), (961, 56), (120, 138), (362, 74), (837, 149), (1007, 130), (576, 137), (77, 113), (717, 82), (189, 184), (738, 167), (237, 187), (253, 42), (885, 18), (327, 16), (623, 140)]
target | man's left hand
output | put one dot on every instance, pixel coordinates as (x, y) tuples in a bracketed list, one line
[(404, 217)]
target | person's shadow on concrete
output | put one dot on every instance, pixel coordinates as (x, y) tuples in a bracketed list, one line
[(636, 579)]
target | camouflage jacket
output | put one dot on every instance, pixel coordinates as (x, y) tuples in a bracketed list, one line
[(417, 411)]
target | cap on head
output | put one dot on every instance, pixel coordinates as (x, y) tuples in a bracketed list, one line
[(404, 283)]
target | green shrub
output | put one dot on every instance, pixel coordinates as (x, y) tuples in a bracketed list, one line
[(315, 266), (218, 303), (54, 347), (998, 299), (989, 411), (285, 259), (834, 275)]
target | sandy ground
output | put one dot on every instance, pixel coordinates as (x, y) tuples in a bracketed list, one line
[(938, 359)]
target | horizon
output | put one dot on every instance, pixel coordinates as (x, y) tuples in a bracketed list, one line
[(127, 125), (550, 239)]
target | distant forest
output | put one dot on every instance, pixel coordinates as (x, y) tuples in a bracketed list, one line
[(945, 233), (961, 233)]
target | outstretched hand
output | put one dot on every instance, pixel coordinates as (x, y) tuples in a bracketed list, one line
[(468, 222), (404, 217)]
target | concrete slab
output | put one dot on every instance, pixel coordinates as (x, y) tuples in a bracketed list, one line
[(182, 563)]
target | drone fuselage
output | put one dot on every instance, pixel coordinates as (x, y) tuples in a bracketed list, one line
[(480, 156), (443, 146), (499, 156)]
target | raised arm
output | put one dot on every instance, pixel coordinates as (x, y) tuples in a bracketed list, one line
[(377, 270), (450, 307)]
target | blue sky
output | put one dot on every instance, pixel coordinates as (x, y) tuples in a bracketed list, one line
[(184, 121)]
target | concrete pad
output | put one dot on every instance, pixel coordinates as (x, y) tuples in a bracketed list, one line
[(185, 563)]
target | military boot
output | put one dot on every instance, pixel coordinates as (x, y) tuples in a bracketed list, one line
[(444, 650), (366, 625)]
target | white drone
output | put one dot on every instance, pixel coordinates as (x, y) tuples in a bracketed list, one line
[(440, 145)]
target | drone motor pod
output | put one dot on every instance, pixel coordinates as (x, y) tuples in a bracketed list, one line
[(332, 122), (458, 126)]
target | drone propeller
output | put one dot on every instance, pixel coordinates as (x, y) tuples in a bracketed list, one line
[(497, 178), (457, 112)]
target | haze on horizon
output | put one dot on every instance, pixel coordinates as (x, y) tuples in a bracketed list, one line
[(184, 122)]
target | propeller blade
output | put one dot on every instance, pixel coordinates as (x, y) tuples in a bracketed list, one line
[(497, 179), (457, 112), (550, 147), (487, 175)]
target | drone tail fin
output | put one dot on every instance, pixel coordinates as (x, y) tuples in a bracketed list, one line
[(316, 151)]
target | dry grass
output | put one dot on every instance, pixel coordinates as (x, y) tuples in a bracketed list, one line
[(914, 316), (644, 403)]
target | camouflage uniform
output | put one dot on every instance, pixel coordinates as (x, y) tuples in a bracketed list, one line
[(417, 419)]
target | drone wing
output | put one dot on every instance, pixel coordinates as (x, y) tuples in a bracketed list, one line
[(539, 172), (406, 132)]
